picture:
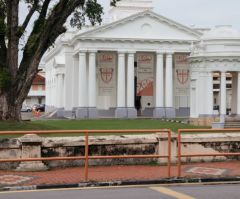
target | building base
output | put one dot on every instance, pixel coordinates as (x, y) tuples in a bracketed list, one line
[(60, 112), (159, 112), (121, 112), (170, 112), (147, 112), (217, 125), (82, 113), (131, 112), (183, 112), (92, 113)]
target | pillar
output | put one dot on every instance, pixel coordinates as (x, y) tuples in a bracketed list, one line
[(31, 148), (60, 94), (223, 94), (92, 110), (208, 97), (82, 111), (194, 105), (170, 110), (238, 93), (121, 111), (68, 93), (75, 82), (235, 99), (159, 110), (131, 111)]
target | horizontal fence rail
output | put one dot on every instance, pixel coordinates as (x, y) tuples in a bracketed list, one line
[(86, 157), (179, 143)]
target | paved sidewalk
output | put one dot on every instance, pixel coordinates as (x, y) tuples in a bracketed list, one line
[(114, 173)]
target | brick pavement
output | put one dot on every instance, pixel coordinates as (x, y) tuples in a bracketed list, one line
[(112, 173)]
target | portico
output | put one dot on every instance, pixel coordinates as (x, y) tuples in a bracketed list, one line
[(218, 53), (124, 101)]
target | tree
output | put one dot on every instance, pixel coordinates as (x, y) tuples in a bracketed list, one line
[(16, 76)]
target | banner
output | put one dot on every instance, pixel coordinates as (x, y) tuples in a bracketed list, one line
[(145, 77), (182, 74), (106, 73)]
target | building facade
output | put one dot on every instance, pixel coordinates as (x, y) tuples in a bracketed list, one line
[(37, 91), (142, 64)]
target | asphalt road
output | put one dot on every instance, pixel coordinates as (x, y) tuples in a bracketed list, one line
[(152, 192)]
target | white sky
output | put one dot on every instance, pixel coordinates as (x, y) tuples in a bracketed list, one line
[(201, 13)]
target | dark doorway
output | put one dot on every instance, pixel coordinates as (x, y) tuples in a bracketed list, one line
[(138, 104)]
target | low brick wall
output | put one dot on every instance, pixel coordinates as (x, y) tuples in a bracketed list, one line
[(122, 145)]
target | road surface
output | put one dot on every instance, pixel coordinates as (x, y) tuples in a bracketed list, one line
[(144, 192)]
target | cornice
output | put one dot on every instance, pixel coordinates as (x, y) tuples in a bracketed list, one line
[(217, 59), (167, 41)]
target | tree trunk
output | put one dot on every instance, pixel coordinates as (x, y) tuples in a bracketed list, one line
[(9, 110)]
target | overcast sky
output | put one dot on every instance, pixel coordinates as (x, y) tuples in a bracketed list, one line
[(203, 13)]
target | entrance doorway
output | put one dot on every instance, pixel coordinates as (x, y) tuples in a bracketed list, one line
[(144, 83), (138, 103)]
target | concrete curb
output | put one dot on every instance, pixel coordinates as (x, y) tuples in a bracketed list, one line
[(125, 183)]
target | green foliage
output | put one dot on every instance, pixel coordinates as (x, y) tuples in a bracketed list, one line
[(31, 43), (94, 12), (3, 7), (91, 10), (4, 79), (113, 2)]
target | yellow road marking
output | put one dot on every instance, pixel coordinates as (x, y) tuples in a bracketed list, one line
[(171, 193)]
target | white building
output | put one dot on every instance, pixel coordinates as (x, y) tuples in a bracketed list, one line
[(139, 64), (36, 93)]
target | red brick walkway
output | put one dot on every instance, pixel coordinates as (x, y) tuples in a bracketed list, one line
[(111, 173)]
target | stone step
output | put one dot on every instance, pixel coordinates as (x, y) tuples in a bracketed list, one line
[(232, 120), (231, 126)]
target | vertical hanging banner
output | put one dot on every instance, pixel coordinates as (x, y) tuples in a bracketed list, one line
[(145, 78), (182, 74), (106, 73)]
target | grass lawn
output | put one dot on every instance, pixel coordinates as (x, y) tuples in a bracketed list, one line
[(92, 124)]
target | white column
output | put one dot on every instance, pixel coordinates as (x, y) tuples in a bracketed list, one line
[(92, 79), (82, 80), (68, 95), (60, 86), (238, 93), (194, 105), (121, 80), (208, 94), (75, 82), (169, 81), (234, 93), (223, 94), (58, 91), (130, 80), (159, 81)]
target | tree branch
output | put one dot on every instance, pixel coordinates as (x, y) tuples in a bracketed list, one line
[(3, 47), (44, 33), (13, 40), (28, 18)]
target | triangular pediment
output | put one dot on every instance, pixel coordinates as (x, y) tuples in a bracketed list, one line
[(145, 25)]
